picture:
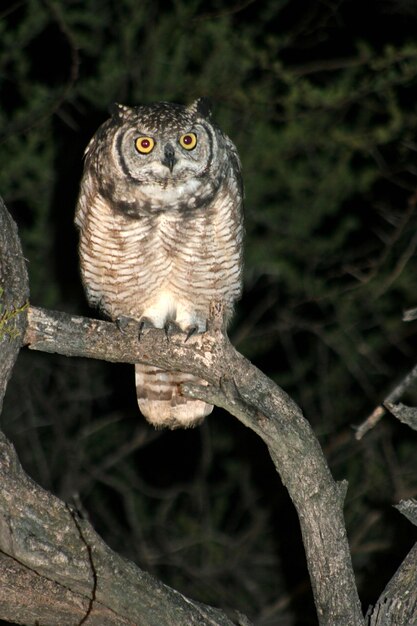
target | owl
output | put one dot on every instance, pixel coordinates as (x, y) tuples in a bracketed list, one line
[(160, 222)]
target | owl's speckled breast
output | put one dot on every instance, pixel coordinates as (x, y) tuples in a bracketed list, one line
[(164, 266)]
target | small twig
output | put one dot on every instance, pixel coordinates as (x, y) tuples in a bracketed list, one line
[(409, 315), (371, 421), (385, 405)]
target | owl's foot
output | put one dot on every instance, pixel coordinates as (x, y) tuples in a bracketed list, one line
[(171, 328)]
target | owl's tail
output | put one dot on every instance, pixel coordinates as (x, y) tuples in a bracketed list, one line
[(160, 400)]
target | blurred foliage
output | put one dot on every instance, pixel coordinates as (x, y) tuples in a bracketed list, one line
[(320, 101)]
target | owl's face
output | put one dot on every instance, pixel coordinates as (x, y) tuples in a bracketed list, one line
[(163, 155), (164, 144)]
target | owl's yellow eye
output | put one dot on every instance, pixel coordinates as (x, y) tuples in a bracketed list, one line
[(144, 145), (188, 141)]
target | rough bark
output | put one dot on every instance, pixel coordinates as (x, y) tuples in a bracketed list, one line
[(14, 295)]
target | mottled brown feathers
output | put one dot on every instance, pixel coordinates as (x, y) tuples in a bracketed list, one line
[(160, 244)]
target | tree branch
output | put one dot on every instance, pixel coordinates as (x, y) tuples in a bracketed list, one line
[(239, 387), (389, 404)]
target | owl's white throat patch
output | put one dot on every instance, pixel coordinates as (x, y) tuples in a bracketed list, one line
[(172, 196)]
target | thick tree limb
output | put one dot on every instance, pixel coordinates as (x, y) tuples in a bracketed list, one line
[(67, 572), (14, 295), (239, 387)]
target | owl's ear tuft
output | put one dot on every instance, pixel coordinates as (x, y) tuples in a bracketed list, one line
[(201, 107), (119, 112)]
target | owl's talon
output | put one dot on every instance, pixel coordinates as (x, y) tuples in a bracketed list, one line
[(191, 330), (122, 322), (144, 324), (171, 328)]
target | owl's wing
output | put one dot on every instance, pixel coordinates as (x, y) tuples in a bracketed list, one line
[(235, 164), (88, 195)]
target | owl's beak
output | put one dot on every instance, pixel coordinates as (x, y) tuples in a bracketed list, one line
[(169, 157)]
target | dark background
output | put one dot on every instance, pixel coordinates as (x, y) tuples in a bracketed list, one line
[(320, 98)]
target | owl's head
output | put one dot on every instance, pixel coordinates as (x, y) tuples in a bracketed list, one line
[(163, 155)]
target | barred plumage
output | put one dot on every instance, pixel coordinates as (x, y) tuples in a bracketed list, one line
[(160, 221)]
